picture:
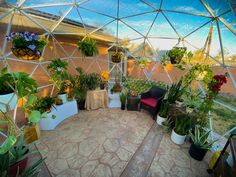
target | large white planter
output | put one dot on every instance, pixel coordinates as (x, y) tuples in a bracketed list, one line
[(63, 97), (61, 112), (160, 120), (8, 101), (176, 138)]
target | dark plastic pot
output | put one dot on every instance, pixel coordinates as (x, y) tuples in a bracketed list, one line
[(81, 104), (102, 86), (122, 107), (133, 103), (18, 167), (197, 153)]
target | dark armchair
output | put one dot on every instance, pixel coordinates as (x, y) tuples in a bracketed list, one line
[(151, 100)]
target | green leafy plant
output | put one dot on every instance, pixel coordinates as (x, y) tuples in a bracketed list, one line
[(192, 99), (142, 62), (88, 47), (166, 125), (164, 109), (92, 81), (81, 86), (200, 138), (176, 54), (123, 97), (174, 92), (44, 104), (182, 124), (57, 65)]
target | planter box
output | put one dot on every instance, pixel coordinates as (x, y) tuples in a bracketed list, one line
[(61, 112), (8, 101), (32, 133)]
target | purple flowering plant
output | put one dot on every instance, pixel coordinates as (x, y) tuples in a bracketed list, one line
[(27, 39)]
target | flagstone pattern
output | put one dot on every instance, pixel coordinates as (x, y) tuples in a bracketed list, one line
[(103, 142)]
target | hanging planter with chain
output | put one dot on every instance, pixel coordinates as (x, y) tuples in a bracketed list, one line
[(27, 45)]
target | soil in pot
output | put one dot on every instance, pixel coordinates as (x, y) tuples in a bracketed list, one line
[(197, 153), (18, 167)]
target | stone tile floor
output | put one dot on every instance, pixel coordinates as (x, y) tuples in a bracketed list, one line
[(101, 143)]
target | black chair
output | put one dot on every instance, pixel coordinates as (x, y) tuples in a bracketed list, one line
[(151, 100)]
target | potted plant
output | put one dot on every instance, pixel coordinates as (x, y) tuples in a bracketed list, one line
[(182, 126), (163, 114), (92, 81), (176, 54), (27, 45), (123, 97), (200, 143), (44, 104), (116, 57), (143, 62), (57, 65), (174, 92), (88, 47), (8, 97), (192, 101)]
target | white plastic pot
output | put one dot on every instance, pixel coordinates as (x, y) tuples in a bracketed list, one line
[(176, 138), (63, 97), (160, 120), (8, 101)]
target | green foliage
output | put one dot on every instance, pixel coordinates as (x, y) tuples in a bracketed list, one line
[(166, 125), (141, 86), (57, 65), (199, 72), (174, 92), (192, 99), (164, 109), (116, 57), (142, 62), (44, 104), (123, 97), (81, 87), (200, 138), (88, 47), (176, 54), (182, 124), (19, 82), (92, 81)]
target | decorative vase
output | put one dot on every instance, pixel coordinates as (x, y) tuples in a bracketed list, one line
[(18, 167), (176, 138), (32, 133), (196, 152), (8, 101), (160, 120), (26, 53), (63, 97)]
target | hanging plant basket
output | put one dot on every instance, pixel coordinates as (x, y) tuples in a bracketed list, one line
[(26, 53), (174, 60), (116, 57)]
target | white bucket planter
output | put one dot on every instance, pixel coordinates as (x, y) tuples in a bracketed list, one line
[(63, 97), (8, 101), (176, 138), (160, 120)]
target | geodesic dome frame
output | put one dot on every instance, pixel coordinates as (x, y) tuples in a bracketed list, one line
[(122, 19)]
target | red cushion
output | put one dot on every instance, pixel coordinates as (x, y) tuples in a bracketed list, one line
[(151, 102)]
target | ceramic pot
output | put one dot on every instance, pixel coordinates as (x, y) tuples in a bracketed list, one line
[(63, 97), (160, 120), (176, 138)]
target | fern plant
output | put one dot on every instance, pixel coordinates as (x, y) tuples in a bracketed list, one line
[(88, 47), (182, 124)]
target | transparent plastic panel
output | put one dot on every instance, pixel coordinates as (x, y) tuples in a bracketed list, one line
[(29, 3), (230, 19), (107, 7), (218, 6), (133, 7), (195, 7)]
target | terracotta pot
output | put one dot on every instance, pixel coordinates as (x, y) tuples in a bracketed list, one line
[(18, 167), (32, 133)]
